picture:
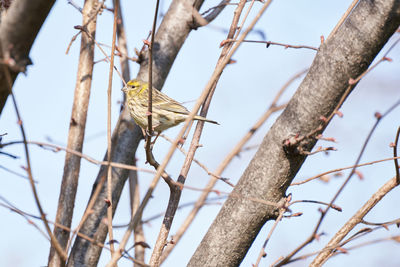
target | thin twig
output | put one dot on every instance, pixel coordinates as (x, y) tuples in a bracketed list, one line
[(8, 154), (352, 83), (282, 210), (396, 163), (134, 196), (383, 224), (160, 170), (201, 165), (343, 18), (176, 192), (268, 43), (15, 173), (353, 171), (26, 215), (109, 92), (54, 241), (149, 154), (102, 51), (337, 252), (224, 164), (341, 169), (353, 221), (95, 12), (185, 205), (119, 51), (333, 206), (88, 158), (75, 5), (216, 11), (394, 238)]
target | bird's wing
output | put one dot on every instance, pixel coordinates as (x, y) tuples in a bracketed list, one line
[(166, 103), (173, 107)]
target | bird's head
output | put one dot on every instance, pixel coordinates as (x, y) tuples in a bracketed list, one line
[(135, 87)]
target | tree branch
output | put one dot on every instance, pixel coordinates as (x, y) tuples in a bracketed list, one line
[(329, 249), (347, 54), (76, 134), (170, 36)]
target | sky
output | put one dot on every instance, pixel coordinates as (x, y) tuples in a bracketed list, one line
[(44, 96)]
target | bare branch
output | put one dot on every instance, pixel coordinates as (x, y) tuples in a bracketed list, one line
[(76, 133), (109, 199), (176, 191), (278, 219), (8, 83), (326, 82), (126, 135), (396, 163), (236, 150), (341, 169), (354, 220), (269, 43)]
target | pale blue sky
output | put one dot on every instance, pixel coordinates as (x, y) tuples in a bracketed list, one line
[(245, 90)]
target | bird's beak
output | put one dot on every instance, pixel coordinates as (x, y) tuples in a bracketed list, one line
[(124, 90)]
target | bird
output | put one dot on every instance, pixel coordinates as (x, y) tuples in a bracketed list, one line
[(166, 112)]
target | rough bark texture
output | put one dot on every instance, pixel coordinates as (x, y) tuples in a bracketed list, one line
[(18, 29), (170, 37), (76, 134), (346, 55)]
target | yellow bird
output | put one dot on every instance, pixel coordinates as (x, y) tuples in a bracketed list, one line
[(166, 112)]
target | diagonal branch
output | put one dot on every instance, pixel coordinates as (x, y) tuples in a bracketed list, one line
[(176, 192), (224, 164), (329, 249), (347, 54)]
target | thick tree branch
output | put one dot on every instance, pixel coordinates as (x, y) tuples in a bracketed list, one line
[(346, 55), (76, 133)]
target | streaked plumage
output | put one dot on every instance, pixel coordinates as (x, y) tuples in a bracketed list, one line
[(166, 112)]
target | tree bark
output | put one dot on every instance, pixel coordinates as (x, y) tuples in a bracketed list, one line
[(345, 55), (76, 134)]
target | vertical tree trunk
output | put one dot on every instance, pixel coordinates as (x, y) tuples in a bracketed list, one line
[(76, 132), (169, 38)]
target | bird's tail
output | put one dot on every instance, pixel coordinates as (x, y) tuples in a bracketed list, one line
[(200, 118)]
